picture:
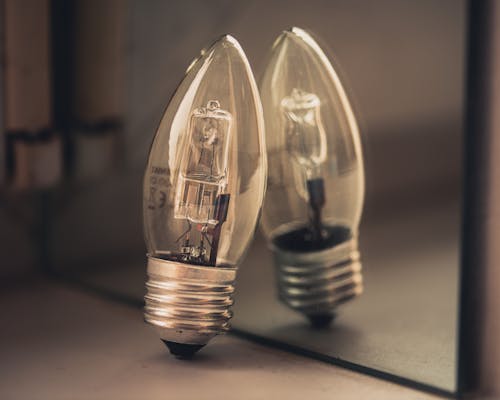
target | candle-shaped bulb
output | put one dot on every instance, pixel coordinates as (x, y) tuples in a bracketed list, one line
[(203, 191), (316, 181)]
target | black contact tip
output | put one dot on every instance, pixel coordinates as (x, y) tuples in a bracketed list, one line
[(182, 350), (321, 321)]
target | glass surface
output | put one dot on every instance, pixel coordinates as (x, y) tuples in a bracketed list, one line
[(205, 176), (312, 140), (396, 184)]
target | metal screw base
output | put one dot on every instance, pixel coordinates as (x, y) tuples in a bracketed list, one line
[(188, 304), (316, 283)]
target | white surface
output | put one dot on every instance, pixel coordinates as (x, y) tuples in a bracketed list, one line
[(58, 343)]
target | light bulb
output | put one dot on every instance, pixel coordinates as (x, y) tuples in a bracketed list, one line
[(315, 186), (203, 190)]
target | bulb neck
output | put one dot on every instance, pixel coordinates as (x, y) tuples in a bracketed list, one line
[(188, 304), (315, 283)]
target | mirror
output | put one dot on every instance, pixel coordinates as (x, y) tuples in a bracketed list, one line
[(402, 64)]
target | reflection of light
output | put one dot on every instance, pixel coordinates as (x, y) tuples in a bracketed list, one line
[(305, 136), (316, 181)]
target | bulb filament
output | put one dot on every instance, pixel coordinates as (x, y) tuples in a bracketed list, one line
[(306, 143), (200, 199)]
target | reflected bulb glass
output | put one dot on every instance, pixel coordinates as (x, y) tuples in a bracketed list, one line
[(203, 191), (315, 186)]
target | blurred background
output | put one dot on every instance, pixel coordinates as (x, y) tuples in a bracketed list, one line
[(83, 85)]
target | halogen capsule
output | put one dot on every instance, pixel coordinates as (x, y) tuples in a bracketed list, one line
[(203, 190), (315, 186)]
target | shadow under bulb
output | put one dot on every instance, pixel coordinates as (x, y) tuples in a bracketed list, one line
[(203, 190), (315, 186)]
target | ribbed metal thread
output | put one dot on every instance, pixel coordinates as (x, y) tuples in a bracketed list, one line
[(188, 303), (316, 283)]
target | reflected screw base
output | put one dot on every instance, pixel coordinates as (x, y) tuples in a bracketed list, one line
[(316, 283), (321, 321), (188, 304)]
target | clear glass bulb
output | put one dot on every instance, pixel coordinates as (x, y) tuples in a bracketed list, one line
[(203, 191), (315, 186)]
